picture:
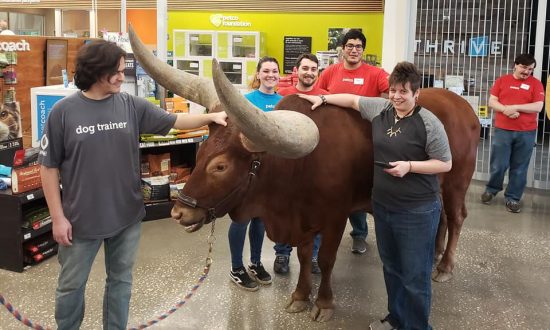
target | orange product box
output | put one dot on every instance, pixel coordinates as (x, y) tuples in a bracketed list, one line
[(25, 178), (177, 104)]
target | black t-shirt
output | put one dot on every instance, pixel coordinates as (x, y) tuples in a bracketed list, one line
[(418, 137)]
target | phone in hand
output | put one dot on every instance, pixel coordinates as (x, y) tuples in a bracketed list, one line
[(383, 164)]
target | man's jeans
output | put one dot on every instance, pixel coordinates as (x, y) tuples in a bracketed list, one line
[(510, 149), (282, 249), (406, 240), (237, 235), (358, 221), (76, 262)]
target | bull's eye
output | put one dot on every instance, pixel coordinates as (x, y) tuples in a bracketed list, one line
[(221, 167)]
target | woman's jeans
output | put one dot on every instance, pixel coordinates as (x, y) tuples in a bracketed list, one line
[(406, 240), (76, 262), (237, 235), (358, 221), (283, 249), (510, 150)]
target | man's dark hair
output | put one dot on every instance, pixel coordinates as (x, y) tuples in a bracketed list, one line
[(406, 72), (525, 59), (95, 61), (354, 34), (308, 56)]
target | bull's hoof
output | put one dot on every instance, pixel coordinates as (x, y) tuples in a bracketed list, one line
[(441, 276), (296, 306), (321, 315)]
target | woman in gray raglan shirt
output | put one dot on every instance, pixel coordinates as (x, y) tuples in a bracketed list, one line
[(406, 203)]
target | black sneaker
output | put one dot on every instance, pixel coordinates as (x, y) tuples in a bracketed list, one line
[(381, 325), (315, 266), (240, 277), (280, 266), (487, 198), (259, 273), (513, 206)]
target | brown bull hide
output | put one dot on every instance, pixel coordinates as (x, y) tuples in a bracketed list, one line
[(298, 198)]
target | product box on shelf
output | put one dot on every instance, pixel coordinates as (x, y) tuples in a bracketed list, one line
[(176, 104), (155, 165), (25, 174), (40, 256), (25, 178), (156, 189)]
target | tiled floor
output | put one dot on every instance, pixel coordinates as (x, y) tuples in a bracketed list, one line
[(501, 280)]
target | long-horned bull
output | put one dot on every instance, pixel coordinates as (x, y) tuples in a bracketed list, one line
[(298, 180)]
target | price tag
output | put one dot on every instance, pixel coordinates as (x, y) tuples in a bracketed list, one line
[(194, 65), (30, 197), (27, 236), (237, 39), (237, 66)]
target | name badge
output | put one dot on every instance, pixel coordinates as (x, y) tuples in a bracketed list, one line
[(524, 86), (358, 81)]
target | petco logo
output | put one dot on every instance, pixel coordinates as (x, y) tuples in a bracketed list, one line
[(11, 46), (220, 20)]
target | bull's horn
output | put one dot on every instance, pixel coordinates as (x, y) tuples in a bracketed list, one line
[(287, 134), (191, 87)]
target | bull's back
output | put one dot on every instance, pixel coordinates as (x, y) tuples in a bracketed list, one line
[(462, 128)]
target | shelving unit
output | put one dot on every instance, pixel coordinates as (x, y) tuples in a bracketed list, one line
[(237, 51), (12, 235), (182, 151)]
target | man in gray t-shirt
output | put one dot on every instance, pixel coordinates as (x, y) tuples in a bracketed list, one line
[(91, 142)]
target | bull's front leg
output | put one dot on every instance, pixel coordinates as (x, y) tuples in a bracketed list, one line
[(300, 297), (323, 309)]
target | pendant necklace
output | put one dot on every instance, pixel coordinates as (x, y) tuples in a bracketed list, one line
[(390, 131)]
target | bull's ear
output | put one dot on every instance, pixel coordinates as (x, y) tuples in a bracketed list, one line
[(249, 145)]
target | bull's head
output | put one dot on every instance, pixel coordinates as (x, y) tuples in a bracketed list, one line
[(225, 160)]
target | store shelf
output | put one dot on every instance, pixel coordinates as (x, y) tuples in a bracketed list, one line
[(160, 210), (143, 145), (29, 234), (26, 196)]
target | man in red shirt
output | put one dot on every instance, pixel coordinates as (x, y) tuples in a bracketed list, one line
[(307, 66), (307, 69), (517, 99), (353, 76)]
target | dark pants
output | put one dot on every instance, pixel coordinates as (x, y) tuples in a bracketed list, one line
[(406, 240), (237, 235)]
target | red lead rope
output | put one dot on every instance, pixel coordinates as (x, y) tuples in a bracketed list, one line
[(24, 320)]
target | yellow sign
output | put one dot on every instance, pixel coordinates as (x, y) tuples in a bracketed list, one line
[(483, 111)]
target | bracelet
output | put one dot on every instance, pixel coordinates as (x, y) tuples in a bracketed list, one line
[(324, 99), (410, 167)]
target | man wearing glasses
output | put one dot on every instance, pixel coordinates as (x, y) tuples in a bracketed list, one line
[(354, 76)]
